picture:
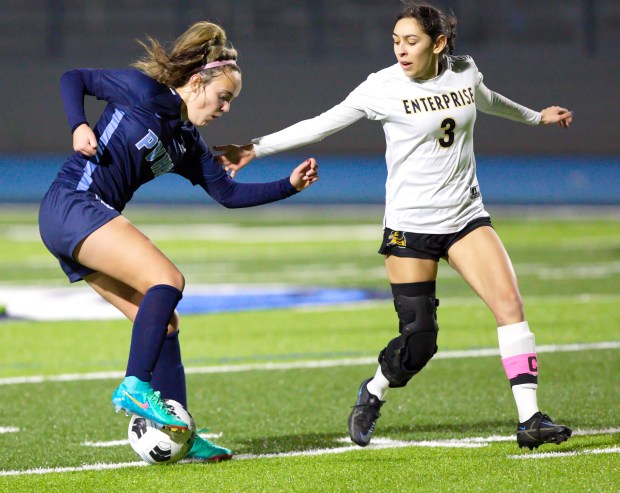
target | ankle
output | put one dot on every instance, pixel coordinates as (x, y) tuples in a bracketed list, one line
[(134, 383)]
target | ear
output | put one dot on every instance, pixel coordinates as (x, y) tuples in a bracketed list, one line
[(194, 83), (440, 44)]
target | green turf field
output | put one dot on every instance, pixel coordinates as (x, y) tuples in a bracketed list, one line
[(276, 386)]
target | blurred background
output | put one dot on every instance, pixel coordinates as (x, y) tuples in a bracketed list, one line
[(300, 57)]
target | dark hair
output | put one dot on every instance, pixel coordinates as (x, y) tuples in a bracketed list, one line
[(432, 21), (202, 43)]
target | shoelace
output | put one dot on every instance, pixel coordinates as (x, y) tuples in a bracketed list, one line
[(159, 403)]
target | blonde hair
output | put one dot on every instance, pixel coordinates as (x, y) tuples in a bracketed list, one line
[(204, 42)]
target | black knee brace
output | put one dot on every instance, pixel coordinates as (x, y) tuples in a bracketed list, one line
[(407, 354)]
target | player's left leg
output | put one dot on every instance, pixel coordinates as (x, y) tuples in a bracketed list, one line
[(168, 375), (481, 259)]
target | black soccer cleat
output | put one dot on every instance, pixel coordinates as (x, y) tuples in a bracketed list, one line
[(540, 429), (364, 415)]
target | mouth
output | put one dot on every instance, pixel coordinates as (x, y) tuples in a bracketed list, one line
[(404, 64)]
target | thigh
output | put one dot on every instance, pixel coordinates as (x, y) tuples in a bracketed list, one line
[(125, 298), (119, 250), (481, 259), (406, 269)]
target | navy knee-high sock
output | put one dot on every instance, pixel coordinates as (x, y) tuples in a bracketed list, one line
[(149, 329), (169, 373)]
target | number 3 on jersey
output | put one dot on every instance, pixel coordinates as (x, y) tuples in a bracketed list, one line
[(448, 126)]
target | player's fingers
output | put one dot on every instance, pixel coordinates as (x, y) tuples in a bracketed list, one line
[(87, 151)]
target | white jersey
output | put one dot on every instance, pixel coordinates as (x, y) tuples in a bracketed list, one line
[(428, 124)]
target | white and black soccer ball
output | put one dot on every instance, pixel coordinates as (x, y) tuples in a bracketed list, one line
[(157, 445)]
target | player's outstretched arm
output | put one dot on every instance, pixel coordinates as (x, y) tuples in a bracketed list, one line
[(556, 114), (234, 157), (305, 174), (84, 140)]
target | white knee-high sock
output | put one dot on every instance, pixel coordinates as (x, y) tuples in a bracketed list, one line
[(518, 352), (378, 385)]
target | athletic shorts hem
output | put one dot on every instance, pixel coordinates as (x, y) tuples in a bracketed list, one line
[(424, 245)]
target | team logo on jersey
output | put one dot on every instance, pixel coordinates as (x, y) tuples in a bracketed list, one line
[(397, 238), (445, 101), (160, 160), (474, 192)]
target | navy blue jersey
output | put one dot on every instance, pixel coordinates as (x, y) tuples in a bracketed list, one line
[(141, 136)]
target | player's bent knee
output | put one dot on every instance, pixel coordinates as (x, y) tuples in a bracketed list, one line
[(171, 278), (407, 354)]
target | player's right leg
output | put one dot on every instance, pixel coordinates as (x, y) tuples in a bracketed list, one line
[(169, 374), (413, 288), (120, 251)]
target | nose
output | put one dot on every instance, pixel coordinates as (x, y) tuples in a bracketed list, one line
[(226, 107)]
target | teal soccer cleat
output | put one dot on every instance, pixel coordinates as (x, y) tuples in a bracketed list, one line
[(138, 397), (204, 450)]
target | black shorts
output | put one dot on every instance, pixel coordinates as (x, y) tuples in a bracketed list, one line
[(426, 246)]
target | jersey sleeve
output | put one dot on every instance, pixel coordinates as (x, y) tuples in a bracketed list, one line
[(114, 86), (352, 109), (495, 104), (200, 168)]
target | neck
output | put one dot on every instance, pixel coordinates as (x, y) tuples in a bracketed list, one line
[(182, 92)]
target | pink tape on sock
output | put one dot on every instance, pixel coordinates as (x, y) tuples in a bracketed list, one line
[(520, 364)]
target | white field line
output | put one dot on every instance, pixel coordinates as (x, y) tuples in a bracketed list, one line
[(377, 444), (295, 365), (8, 429), (58, 470), (242, 234), (462, 301), (451, 442), (289, 233)]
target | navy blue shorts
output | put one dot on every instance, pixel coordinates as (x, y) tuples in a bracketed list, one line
[(66, 217), (426, 246)]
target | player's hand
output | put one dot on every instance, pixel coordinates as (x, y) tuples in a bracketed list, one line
[(84, 140), (556, 114), (234, 157), (305, 174)]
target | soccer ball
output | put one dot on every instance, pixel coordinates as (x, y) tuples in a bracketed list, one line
[(158, 445)]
